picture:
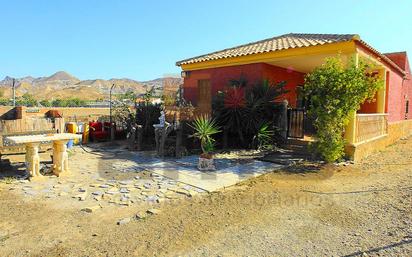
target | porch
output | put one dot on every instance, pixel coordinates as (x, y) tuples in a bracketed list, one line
[(370, 126)]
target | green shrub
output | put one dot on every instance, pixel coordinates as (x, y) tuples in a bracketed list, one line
[(334, 92), (147, 114)]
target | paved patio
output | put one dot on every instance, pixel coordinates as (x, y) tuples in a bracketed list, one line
[(229, 171), (114, 176)]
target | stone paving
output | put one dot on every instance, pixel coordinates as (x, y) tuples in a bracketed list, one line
[(229, 171), (89, 187), (122, 178)]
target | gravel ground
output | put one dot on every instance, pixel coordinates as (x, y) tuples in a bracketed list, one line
[(307, 210)]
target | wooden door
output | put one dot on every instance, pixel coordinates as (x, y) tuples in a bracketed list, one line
[(204, 96)]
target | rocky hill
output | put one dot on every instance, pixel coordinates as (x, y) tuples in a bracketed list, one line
[(64, 85)]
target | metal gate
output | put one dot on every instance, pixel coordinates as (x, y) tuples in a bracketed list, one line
[(296, 124)]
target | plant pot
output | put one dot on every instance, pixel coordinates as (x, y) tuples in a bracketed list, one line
[(206, 156), (206, 164)]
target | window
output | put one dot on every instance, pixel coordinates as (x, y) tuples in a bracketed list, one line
[(406, 109)]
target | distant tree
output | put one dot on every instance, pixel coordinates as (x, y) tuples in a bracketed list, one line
[(5, 102), (70, 102), (26, 100), (46, 103), (148, 95), (57, 103), (129, 95)]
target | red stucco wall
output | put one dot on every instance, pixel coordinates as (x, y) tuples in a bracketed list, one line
[(369, 107), (399, 89), (220, 77)]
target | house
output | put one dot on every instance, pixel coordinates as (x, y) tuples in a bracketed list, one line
[(288, 58)]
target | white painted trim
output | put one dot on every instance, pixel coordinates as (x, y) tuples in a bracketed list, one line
[(369, 140)]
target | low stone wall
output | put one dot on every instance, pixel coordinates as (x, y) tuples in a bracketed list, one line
[(396, 131)]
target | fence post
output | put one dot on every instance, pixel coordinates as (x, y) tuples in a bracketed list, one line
[(284, 120), (179, 136)]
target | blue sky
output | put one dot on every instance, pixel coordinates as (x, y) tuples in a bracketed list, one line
[(142, 40)]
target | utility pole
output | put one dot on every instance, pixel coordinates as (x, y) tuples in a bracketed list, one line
[(14, 93), (110, 102), (110, 106)]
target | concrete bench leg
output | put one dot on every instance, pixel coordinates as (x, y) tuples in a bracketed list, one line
[(60, 157), (33, 160)]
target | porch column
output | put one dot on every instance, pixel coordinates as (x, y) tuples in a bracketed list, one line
[(381, 94), (350, 130)]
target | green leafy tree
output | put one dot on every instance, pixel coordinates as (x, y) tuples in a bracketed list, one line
[(26, 100), (46, 103), (70, 102), (5, 102), (334, 91), (57, 103), (129, 95)]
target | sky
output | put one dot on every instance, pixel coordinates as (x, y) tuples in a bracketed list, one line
[(142, 40)]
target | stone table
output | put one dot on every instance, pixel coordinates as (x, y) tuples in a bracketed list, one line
[(60, 156)]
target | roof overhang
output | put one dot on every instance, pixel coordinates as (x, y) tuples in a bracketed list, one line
[(302, 59), (370, 53)]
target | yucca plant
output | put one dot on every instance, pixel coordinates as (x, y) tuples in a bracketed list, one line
[(205, 128), (264, 136)]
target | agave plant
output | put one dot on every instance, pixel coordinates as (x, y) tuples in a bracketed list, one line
[(264, 136), (242, 109), (205, 128)]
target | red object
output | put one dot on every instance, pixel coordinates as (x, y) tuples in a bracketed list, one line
[(235, 98), (97, 132), (53, 114), (106, 126)]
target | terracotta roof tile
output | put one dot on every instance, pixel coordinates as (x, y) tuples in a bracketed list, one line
[(287, 41)]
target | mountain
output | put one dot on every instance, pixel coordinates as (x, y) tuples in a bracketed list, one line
[(61, 77), (64, 85)]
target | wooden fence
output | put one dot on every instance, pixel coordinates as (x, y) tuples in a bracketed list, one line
[(370, 125), (25, 125), (182, 113)]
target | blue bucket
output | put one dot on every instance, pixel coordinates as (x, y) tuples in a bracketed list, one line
[(70, 143)]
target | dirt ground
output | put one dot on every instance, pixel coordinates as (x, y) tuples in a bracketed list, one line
[(307, 210)]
